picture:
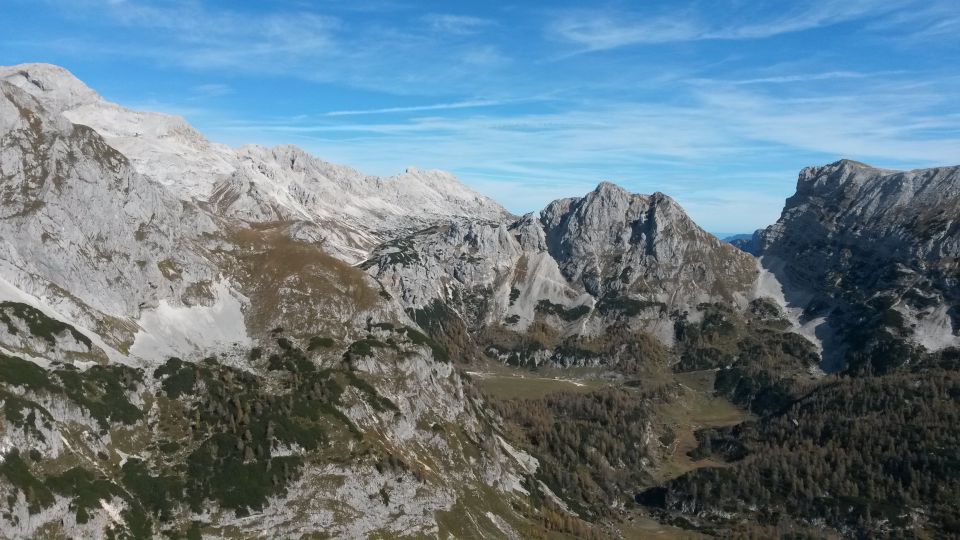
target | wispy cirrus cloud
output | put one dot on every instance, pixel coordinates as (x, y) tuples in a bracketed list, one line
[(723, 153), (889, 123), (314, 42), (189, 33), (928, 20), (457, 24), (472, 104), (210, 90), (902, 118), (709, 116), (596, 30), (810, 77)]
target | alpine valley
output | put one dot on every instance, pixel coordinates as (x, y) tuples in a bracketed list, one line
[(201, 341)]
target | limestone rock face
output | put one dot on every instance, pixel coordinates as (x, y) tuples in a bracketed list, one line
[(871, 253), (581, 267), (79, 223), (253, 183), (612, 241), (178, 323)]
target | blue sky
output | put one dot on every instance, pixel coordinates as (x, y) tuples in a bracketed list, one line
[(716, 103)]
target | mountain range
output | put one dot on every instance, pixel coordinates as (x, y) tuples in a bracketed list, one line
[(197, 340)]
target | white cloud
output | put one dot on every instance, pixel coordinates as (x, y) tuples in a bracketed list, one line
[(456, 24), (405, 55), (596, 30), (807, 77), (933, 19), (688, 127), (729, 154), (472, 104), (210, 90), (871, 125), (608, 31)]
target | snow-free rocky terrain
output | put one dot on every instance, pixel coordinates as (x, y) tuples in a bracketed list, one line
[(871, 252), (197, 340)]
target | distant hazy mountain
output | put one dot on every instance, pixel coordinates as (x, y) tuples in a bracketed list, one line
[(733, 237)]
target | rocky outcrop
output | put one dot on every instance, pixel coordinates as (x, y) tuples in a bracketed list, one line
[(82, 228), (583, 267), (874, 255), (614, 242), (176, 355), (253, 183)]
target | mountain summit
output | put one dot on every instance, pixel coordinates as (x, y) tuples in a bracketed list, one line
[(177, 340), (253, 183), (871, 252), (579, 268)]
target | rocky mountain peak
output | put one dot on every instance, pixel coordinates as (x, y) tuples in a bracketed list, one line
[(132, 254), (842, 172), (856, 192), (599, 254), (59, 89), (253, 183), (612, 216), (846, 227), (607, 188)]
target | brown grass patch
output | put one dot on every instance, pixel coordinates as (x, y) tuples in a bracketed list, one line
[(295, 283)]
